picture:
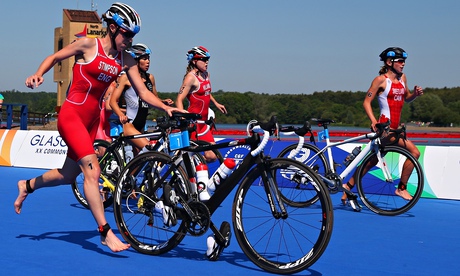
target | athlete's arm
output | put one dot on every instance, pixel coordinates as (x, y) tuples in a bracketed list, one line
[(409, 97), (81, 48), (122, 84), (187, 85), (136, 82), (221, 107), (375, 88), (155, 92), (108, 95)]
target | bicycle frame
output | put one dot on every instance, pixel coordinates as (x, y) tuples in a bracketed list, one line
[(256, 157), (372, 146)]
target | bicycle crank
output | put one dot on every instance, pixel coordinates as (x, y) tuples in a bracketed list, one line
[(198, 218)]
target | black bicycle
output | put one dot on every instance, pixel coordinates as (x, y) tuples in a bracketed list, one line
[(275, 234), (112, 157)]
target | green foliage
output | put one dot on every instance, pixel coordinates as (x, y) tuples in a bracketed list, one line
[(440, 106), (40, 102)]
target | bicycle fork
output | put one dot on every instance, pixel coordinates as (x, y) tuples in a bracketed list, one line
[(383, 164), (272, 192)]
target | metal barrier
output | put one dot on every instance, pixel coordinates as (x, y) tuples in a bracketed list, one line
[(23, 115)]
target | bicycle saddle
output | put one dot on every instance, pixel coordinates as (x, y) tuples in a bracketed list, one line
[(322, 122)]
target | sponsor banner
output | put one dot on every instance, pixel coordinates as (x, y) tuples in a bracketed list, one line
[(441, 164), (47, 150), (32, 149)]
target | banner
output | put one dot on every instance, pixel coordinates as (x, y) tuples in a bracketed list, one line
[(32, 149), (46, 150)]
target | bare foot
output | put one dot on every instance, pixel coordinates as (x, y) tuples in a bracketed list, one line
[(404, 194), (21, 196), (113, 242)]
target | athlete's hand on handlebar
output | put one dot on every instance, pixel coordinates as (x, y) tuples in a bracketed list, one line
[(382, 129), (170, 110)]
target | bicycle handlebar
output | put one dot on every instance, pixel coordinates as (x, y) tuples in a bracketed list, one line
[(382, 128), (300, 131), (269, 128), (210, 124), (178, 120)]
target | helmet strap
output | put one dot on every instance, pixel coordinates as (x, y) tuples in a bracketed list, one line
[(394, 70), (112, 37)]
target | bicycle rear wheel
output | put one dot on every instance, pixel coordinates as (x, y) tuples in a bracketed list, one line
[(281, 242), (310, 156), (109, 172), (377, 193), (148, 179)]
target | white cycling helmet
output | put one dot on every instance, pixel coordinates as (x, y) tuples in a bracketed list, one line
[(124, 16), (138, 50)]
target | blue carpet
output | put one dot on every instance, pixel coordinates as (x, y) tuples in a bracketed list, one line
[(54, 235)]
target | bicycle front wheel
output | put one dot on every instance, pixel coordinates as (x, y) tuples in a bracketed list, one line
[(289, 239), (146, 209), (378, 193)]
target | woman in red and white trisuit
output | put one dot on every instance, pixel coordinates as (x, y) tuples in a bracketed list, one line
[(98, 62), (196, 87), (390, 86)]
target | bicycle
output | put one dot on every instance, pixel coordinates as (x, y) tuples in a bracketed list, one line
[(112, 158), (264, 224), (374, 181)]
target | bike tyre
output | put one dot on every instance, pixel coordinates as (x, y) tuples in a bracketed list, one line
[(132, 221), (276, 244), (378, 194)]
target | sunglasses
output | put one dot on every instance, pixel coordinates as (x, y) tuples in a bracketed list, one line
[(126, 34), (205, 59), (399, 60)]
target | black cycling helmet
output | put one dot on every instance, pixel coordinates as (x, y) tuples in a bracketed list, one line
[(138, 50), (394, 53)]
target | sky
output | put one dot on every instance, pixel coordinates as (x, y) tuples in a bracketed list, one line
[(263, 46)]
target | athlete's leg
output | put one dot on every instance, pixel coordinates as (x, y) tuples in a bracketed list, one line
[(407, 169), (90, 167), (51, 178), (139, 143)]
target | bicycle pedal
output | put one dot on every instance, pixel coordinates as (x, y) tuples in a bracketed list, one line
[(169, 217), (226, 234), (215, 246), (169, 195), (355, 205)]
